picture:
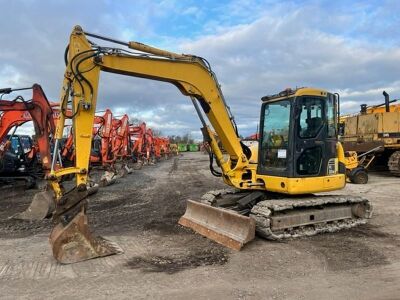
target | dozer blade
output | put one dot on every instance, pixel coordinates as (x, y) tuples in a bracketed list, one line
[(41, 207), (74, 242), (70, 239), (223, 226)]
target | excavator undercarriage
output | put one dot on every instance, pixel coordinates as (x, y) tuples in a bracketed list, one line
[(274, 216)]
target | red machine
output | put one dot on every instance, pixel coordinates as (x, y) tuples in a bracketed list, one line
[(120, 143), (149, 138), (102, 140), (15, 113), (161, 147), (120, 137), (137, 138), (20, 111), (102, 148), (102, 131), (254, 137)]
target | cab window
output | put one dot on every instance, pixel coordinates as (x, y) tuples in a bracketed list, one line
[(311, 118), (275, 137), (331, 116)]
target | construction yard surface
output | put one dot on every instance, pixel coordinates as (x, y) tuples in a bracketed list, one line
[(164, 260)]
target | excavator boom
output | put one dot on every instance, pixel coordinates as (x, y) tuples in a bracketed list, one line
[(193, 77)]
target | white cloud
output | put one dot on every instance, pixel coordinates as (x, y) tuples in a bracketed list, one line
[(285, 50), (10, 77), (191, 10), (349, 106)]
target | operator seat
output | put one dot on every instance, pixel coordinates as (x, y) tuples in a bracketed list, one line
[(313, 126)]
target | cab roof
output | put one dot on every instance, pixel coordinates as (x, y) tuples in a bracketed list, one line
[(294, 93)]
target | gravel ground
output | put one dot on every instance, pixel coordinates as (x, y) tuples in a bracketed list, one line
[(164, 260)]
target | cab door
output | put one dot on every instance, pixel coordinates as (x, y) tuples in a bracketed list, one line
[(274, 153), (315, 136)]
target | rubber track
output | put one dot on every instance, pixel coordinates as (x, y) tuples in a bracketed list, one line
[(263, 211), (394, 163)]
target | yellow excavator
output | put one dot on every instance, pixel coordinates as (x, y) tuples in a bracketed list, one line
[(298, 154)]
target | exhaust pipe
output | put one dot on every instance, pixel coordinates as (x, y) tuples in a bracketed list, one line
[(386, 95), (363, 109)]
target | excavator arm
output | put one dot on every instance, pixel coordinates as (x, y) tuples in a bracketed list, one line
[(190, 74), (85, 61), (121, 127), (105, 132), (137, 139)]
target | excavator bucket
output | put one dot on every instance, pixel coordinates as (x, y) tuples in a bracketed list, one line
[(108, 178), (223, 226), (92, 188), (74, 242), (41, 207), (124, 170)]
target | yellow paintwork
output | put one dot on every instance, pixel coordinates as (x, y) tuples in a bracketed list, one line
[(83, 105), (254, 154), (340, 153), (382, 109), (297, 186), (351, 160), (363, 128), (192, 77), (307, 91), (374, 126)]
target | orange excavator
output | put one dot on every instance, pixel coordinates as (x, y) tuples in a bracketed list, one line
[(67, 149), (102, 131), (102, 153), (102, 147), (120, 145), (23, 163), (137, 138), (149, 138), (161, 147), (16, 112), (9, 120)]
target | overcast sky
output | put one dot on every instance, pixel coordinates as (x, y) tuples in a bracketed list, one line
[(254, 47)]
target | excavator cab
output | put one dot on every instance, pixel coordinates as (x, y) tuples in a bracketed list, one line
[(298, 135), (19, 162)]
